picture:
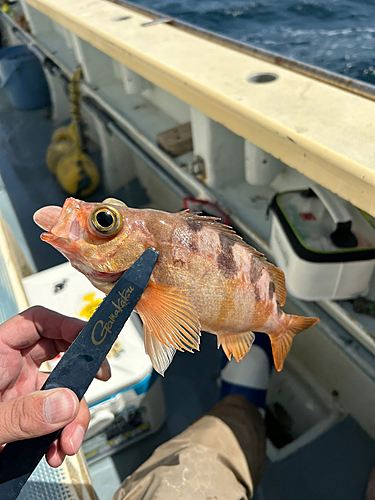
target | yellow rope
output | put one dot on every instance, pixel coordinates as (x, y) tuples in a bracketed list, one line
[(65, 157)]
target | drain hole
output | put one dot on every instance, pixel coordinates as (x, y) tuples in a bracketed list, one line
[(121, 18), (262, 78)]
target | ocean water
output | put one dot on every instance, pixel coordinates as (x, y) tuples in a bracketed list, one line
[(338, 35)]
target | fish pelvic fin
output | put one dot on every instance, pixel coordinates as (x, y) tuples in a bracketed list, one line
[(282, 342), (169, 322), (237, 344)]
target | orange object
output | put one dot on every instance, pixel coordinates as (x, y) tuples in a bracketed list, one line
[(206, 276)]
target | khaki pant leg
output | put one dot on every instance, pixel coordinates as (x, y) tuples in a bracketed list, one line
[(208, 461)]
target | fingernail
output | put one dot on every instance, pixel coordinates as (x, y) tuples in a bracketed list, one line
[(59, 407), (77, 438)]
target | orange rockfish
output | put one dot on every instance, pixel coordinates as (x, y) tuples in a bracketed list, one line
[(206, 276)]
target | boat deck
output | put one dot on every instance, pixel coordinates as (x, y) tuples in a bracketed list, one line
[(341, 458)]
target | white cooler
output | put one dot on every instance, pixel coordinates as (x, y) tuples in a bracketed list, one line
[(324, 245), (131, 404)]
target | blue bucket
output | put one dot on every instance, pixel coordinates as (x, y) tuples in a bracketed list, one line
[(22, 77)]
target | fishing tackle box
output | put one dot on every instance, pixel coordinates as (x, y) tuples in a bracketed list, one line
[(130, 405), (324, 245)]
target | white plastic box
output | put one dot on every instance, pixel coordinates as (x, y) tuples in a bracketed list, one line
[(131, 404), (326, 248)]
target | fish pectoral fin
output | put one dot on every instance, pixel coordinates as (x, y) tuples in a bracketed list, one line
[(160, 355), (169, 317), (237, 344)]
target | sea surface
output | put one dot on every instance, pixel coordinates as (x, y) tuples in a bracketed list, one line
[(338, 35)]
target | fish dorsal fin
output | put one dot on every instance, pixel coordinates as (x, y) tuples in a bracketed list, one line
[(168, 319), (278, 279), (197, 221), (160, 355), (237, 344)]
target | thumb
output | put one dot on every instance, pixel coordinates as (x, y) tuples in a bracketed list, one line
[(36, 414)]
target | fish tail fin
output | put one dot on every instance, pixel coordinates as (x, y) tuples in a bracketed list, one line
[(237, 344), (281, 341)]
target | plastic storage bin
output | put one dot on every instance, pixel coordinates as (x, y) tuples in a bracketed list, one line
[(22, 77), (324, 245)]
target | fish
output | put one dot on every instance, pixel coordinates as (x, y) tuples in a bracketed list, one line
[(207, 278)]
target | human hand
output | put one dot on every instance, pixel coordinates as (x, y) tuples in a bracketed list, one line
[(26, 341)]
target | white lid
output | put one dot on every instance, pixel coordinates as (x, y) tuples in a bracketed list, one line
[(313, 223)]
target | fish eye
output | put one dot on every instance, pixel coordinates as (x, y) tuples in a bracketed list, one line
[(105, 220)]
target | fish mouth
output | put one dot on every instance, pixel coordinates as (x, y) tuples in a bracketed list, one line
[(62, 226), (47, 217), (65, 229), (60, 222)]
